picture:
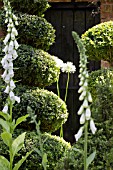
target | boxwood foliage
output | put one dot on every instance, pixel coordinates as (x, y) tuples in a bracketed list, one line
[(102, 142), (98, 41), (34, 67), (32, 30), (33, 7), (101, 88), (47, 106), (54, 147)]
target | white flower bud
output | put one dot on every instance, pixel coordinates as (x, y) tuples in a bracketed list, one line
[(80, 89), (82, 118), (88, 113), (12, 85), (85, 103), (16, 44), (11, 95), (5, 49), (14, 31), (7, 79), (92, 126), (11, 73), (79, 134), (4, 74), (10, 20), (16, 22), (5, 109), (80, 111), (7, 90), (17, 99), (12, 36), (6, 39), (6, 21), (14, 17), (89, 97)]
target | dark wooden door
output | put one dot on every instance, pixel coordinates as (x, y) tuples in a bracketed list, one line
[(65, 18)]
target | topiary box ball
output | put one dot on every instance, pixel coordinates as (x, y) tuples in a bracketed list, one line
[(32, 30), (54, 146), (98, 41), (47, 106), (34, 67), (33, 7)]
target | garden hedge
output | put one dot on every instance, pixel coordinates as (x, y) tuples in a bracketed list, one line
[(98, 41), (32, 30), (35, 67), (47, 106), (101, 88), (33, 7), (54, 147)]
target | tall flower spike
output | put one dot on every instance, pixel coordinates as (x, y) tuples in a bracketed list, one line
[(85, 96), (10, 54)]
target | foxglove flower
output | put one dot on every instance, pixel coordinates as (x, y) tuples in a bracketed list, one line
[(79, 134), (92, 126), (5, 109)]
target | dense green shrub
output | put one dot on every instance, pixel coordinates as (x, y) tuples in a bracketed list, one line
[(54, 147), (73, 159), (35, 67), (32, 30), (49, 108), (101, 88), (98, 41), (33, 7)]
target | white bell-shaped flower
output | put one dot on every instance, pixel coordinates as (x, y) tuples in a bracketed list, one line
[(82, 119), (7, 89), (12, 85), (5, 109), (92, 126), (88, 113), (79, 134)]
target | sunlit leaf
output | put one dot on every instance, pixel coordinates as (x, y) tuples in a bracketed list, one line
[(7, 138), (4, 163), (91, 158)]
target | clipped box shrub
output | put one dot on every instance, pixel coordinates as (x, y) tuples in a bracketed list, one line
[(54, 147), (47, 106), (101, 88), (32, 30), (33, 7), (98, 41), (35, 67)]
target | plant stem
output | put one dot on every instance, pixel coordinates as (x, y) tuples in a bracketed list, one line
[(66, 87), (58, 91), (85, 145)]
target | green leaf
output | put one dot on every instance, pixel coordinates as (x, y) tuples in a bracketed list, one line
[(78, 150), (6, 116), (4, 163), (44, 160), (5, 125), (20, 162), (18, 143), (7, 138), (38, 151), (21, 119), (91, 158)]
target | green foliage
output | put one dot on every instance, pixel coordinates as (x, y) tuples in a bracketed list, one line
[(73, 159), (35, 67), (98, 41), (33, 7), (54, 147), (47, 106), (101, 88), (32, 30)]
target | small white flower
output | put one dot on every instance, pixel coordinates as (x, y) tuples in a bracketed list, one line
[(14, 17), (16, 22), (68, 67), (12, 85), (81, 89), (6, 21), (7, 79), (6, 39), (58, 61), (17, 99), (82, 95), (10, 20), (89, 97), (5, 49), (16, 44), (12, 36), (85, 84), (4, 74), (11, 73), (85, 103), (14, 31), (7, 90), (80, 111), (9, 57), (5, 109), (82, 118), (15, 55), (88, 113), (92, 126), (12, 96), (79, 134)]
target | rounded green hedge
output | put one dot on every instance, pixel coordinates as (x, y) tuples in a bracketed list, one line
[(98, 41), (101, 88), (34, 67), (33, 7), (47, 106), (54, 147), (32, 30)]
